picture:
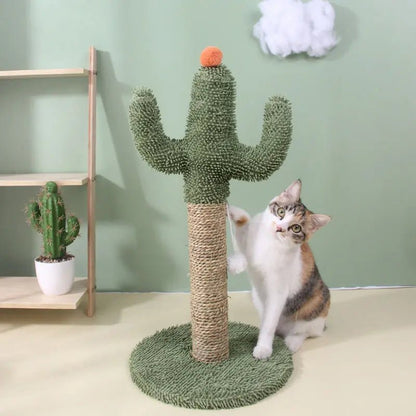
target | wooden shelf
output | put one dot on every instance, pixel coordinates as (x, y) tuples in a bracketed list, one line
[(39, 179), (45, 73), (24, 293)]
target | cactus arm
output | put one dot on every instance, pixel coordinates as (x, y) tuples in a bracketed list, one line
[(34, 217), (259, 162), (164, 154), (72, 230)]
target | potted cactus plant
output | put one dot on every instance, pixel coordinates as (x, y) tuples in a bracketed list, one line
[(55, 267)]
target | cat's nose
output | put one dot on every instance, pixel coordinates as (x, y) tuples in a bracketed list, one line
[(279, 229)]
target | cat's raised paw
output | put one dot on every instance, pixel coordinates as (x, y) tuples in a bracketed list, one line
[(261, 352), (238, 215)]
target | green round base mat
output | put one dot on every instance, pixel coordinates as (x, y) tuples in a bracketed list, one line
[(162, 367)]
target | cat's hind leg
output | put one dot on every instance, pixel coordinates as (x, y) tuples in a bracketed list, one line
[(300, 330), (294, 341)]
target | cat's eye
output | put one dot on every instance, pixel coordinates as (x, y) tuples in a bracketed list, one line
[(281, 212), (296, 228)]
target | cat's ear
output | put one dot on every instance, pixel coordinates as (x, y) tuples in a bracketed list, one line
[(292, 192), (319, 220)]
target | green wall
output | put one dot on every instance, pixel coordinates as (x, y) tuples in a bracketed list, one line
[(353, 144)]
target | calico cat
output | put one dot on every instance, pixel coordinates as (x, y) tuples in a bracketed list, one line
[(287, 289)]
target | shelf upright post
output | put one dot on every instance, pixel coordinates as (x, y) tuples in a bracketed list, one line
[(92, 87)]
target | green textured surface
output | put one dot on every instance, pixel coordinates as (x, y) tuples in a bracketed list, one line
[(353, 138), (162, 367), (209, 155), (48, 217)]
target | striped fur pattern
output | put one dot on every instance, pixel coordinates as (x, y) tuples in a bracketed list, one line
[(287, 289)]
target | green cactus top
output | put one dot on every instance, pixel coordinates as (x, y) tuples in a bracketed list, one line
[(210, 155)]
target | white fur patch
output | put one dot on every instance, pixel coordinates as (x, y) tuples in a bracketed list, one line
[(236, 263), (283, 223)]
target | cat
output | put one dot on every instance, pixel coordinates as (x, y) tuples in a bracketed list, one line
[(287, 290)]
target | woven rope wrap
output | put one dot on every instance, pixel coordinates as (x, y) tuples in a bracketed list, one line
[(208, 270)]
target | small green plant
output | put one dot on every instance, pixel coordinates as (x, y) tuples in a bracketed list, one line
[(47, 216)]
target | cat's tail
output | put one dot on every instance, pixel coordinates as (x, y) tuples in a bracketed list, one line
[(237, 262)]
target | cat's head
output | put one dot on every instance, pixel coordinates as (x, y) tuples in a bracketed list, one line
[(291, 220)]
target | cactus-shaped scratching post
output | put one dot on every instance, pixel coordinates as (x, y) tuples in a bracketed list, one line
[(48, 217), (208, 157)]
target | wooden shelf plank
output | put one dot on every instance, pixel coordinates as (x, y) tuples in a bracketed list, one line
[(44, 73), (24, 293), (39, 179)]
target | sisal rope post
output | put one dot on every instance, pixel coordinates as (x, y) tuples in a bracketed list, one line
[(208, 273)]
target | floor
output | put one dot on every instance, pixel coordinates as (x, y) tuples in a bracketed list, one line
[(63, 363)]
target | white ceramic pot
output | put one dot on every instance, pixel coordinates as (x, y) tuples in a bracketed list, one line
[(55, 278)]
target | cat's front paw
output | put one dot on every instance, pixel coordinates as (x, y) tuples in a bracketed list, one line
[(238, 215), (261, 352)]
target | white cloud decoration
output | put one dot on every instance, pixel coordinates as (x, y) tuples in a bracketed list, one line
[(294, 26)]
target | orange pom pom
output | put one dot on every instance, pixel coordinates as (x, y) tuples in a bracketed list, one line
[(211, 56)]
